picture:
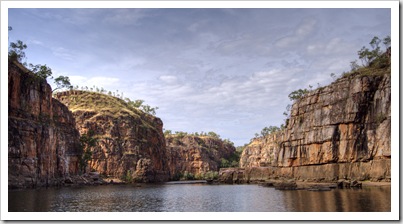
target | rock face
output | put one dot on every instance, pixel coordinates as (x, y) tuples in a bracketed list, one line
[(43, 144), (130, 144), (196, 154), (338, 131)]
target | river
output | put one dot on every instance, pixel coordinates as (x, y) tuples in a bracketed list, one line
[(197, 198)]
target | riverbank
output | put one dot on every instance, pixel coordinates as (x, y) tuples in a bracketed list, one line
[(187, 182), (291, 184), (94, 178)]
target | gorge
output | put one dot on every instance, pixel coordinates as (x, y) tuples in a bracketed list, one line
[(340, 131)]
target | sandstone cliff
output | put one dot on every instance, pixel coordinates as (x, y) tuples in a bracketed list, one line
[(130, 142), (338, 131), (196, 154), (43, 144)]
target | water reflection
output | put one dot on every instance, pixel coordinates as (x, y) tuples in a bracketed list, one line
[(368, 199), (197, 198)]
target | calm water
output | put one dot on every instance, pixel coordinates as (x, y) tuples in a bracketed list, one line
[(197, 198)]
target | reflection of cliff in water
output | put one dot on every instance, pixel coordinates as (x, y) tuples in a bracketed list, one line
[(368, 199), (196, 198)]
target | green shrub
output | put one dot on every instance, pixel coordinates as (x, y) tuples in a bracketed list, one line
[(188, 176)]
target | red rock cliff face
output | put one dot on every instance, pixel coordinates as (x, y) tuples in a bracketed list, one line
[(43, 144), (339, 131), (196, 155), (130, 142)]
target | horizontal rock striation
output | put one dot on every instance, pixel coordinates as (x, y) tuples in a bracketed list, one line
[(196, 154), (338, 131), (43, 144), (130, 144)]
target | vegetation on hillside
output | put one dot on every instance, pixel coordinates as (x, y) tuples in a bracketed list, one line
[(374, 61), (88, 141), (102, 104), (233, 160), (209, 175), (181, 134), (114, 99)]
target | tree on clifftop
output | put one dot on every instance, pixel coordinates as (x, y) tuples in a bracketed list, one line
[(62, 82), (297, 94), (16, 53)]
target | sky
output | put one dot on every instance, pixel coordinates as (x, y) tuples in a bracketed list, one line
[(224, 70)]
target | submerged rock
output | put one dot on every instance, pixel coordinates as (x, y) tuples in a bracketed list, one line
[(285, 185)]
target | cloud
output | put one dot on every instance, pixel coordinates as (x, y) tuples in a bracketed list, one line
[(108, 83), (304, 29), (36, 42), (125, 16), (63, 53), (169, 79)]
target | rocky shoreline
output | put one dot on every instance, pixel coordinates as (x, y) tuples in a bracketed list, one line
[(319, 186), (95, 179)]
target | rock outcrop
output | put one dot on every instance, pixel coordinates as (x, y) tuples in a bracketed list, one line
[(43, 144), (197, 154), (339, 131), (130, 143)]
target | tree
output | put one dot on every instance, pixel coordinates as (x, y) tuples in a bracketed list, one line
[(297, 94), (387, 41), (88, 141), (269, 130), (224, 163), (41, 71), (213, 134), (167, 132), (16, 51), (148, 109), (62, 82), (368, 56), (354, 66)]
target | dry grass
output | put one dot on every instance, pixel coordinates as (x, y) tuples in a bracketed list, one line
[(102, 104)]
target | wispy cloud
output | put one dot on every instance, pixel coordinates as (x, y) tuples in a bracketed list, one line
[(125, 17), (304, 29), (63, 53)]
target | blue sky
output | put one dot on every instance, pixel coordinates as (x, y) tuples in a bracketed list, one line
[(224, 70)]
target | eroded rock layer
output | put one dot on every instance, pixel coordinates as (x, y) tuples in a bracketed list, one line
[(197, 154), (43, 144), (130, 144), (338, 131)]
